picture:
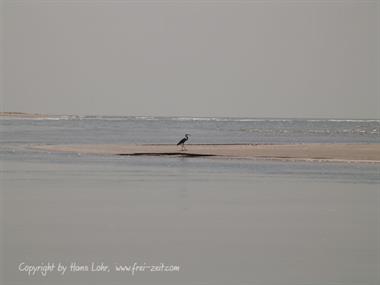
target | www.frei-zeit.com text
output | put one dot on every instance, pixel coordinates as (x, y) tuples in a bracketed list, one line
[(61, 268)]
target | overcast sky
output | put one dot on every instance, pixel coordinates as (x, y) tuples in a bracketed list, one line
[(192, 58)]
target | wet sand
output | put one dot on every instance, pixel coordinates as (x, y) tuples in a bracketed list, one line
[(293, 152)]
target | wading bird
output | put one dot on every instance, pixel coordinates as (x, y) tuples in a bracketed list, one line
[(182, 142)]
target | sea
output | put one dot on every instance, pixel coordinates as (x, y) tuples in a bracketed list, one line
[(69, 218)]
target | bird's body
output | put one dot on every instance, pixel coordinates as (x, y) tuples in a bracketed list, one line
[(182, 142)]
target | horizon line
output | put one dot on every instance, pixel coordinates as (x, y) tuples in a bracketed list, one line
[(15, 113)]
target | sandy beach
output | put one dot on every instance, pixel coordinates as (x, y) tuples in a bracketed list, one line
[(302, 152)]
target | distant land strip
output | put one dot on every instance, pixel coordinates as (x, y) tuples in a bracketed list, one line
[(22, 115)]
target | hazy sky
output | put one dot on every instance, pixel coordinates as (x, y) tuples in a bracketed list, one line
[(192, 58)]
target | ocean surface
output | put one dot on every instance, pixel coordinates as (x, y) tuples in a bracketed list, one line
[(222, 221)]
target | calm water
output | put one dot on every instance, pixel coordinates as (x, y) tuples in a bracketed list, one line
[(222, 221), (92, 129)]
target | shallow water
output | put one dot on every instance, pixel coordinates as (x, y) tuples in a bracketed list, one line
[(153, 130), (222, 221)]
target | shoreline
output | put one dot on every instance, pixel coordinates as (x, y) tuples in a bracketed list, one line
[(359, 153)]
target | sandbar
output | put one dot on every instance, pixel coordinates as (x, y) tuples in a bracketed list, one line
[(366, 153)]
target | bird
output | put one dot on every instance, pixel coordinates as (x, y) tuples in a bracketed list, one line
[(182, 142)]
